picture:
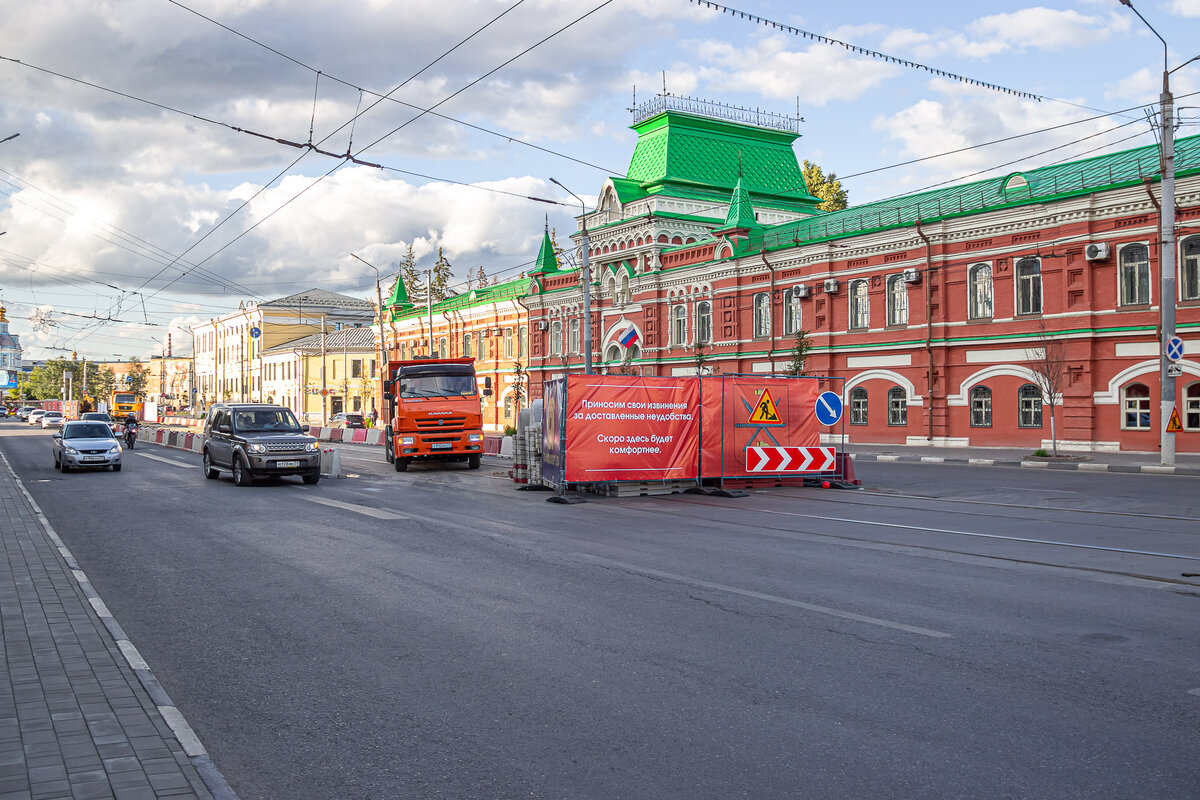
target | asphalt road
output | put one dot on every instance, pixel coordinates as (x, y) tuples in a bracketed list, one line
[(950, 633)]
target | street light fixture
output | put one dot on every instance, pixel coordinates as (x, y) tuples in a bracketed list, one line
[(1167, 265), (587, 282)]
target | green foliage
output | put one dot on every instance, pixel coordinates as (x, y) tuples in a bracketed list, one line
[(101, 382), (414, 280), (799, 353), (138, 376), (46, 381), (441, 277), (509, 430), (826, 187), (1040, 452)]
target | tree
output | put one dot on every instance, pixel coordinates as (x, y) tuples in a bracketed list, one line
[(826, 187), (799, 353), (138, 376), (101, 382), (520, 376), (1048, 360), (701, 358), (481, 279), (414, 280), (440, 280)]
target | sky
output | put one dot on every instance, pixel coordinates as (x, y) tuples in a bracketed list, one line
[(156, 179)]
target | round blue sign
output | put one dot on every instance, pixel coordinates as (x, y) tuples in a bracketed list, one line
[(255, 333), (1174, 348), (828, 408)]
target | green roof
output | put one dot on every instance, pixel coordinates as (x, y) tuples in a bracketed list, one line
[(1041, 185), (741, 212), (679, 153), (546, 260), (476, 297), (399, 294)]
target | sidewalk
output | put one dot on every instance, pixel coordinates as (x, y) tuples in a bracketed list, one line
[(81, 715), (1147, 463)]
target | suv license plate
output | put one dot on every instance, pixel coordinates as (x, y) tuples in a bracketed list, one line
[(441, 445), (287, 464)]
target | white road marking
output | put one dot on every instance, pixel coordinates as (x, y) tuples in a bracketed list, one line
[(170, 461), (770, 598), (377, 513)]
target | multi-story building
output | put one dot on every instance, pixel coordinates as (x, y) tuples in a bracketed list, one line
[(10, 355), (228, 350), (320, 375), (930, 309)]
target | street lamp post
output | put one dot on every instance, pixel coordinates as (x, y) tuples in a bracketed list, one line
[(1167, 266), (379, 309), (585, 245)]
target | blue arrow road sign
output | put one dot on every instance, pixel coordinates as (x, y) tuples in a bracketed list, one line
[(255, 333), (829, 408), (1174, 348)]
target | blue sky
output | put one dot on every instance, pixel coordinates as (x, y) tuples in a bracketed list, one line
[(103, 192)]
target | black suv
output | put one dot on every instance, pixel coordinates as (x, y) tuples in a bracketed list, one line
[(258, 440)]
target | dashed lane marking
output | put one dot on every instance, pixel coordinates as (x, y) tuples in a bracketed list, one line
[(377, 513), (170, 461)]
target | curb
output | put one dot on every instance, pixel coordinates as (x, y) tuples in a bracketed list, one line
[(1074, 466), (197, 755)]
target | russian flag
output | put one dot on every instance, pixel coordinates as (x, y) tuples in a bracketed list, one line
[(629, 337)]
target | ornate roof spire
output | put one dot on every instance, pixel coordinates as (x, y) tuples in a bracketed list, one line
[(547, 262)]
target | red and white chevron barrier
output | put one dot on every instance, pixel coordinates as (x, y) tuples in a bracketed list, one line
[(791, 459)]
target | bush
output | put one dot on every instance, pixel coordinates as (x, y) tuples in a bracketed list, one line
[(1040, 452), (509, 430)]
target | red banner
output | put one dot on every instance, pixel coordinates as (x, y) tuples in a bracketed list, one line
[(623, 428), (744, 414)]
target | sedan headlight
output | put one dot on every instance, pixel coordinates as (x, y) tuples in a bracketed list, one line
[(256, 447), (406, 440), (116, 448), (312, 447), (71, 451), (475, 437)]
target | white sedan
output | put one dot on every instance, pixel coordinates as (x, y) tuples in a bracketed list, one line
[(52, 419), (35, 416), (86, 444)]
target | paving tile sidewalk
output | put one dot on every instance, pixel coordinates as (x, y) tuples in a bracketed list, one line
[(77, 720), (1186, 464)]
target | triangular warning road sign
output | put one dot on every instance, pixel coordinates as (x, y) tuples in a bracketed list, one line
[(765, 411), (1175, 425)]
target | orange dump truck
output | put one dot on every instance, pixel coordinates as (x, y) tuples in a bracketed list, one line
[(433, 411)]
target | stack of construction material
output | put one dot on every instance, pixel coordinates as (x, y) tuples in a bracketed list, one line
[(520, 470), (533, 452)]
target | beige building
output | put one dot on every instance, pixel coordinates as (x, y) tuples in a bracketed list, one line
[(320, 375)]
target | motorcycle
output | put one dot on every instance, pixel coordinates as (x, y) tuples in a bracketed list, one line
[(130, 435)]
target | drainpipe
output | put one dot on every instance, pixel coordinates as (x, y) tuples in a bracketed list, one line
[(928, 322), (770, 310), (1158, 213)]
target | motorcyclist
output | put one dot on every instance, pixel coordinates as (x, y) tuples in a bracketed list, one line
[(130, 430)]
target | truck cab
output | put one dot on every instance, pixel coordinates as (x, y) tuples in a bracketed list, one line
[(433, 411)]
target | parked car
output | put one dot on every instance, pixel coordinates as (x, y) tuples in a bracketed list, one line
[(99, 416), (23, 413), (3, 412), (52, 419), (86, 444), (35, 416), (347, 420), (258, 440)]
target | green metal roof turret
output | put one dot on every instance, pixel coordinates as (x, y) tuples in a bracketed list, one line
[(547, 262), (399, 299), (741, 212)]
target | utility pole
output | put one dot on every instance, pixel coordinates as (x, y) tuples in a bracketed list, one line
[(1167, 260), (382, 363), (585, 279), (429, 305), (324, 385)]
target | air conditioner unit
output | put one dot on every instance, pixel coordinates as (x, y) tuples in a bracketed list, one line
[(831, 286), (912, 275), (801, 290), (543, 325), (1096, 251)]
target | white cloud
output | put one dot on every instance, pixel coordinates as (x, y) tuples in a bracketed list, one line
[(1185, 8)]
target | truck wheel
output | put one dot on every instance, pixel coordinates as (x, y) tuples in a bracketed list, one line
[(241, 471), (389, 444), (209, 472), (473, 461), (401, 464)]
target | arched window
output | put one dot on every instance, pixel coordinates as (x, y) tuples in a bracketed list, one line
[(613, 353), (979, 290), (573, 345), (860, 306), (556, 338), (791, 312), (442, 346), (1029, 286), (1029, 406), (1134, 275), (762, 315), (623, 294), (612, 287), (522, 341), (508, 406), (858, 406), (467, 342), (404, 351), (897, 406), (1191, 407), (897, 300), (1135, 400), (481, 346), (1189, 277), (981, 407), (508, 342), (703, 322), (679, 325)]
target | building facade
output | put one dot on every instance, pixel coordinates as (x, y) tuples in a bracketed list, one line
[(320, 375), (10, 355)]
